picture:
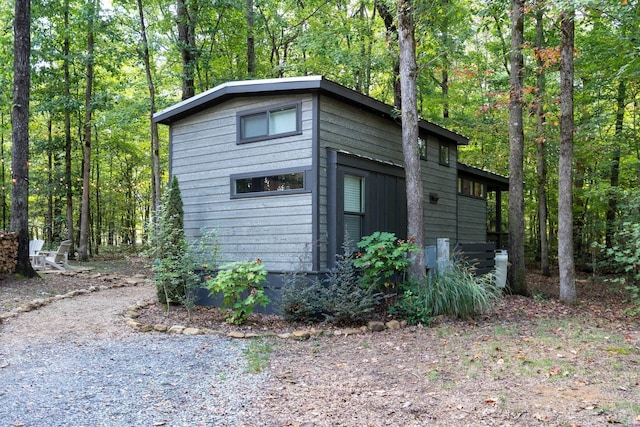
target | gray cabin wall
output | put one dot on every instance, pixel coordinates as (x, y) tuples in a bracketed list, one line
[(472, 219), (344, 127), (441, 181), (204, 154)]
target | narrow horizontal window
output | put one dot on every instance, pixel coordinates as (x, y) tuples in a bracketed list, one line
[(270, 123), (268, 183)]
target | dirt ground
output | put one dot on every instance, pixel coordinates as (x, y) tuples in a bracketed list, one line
[(534, 362)]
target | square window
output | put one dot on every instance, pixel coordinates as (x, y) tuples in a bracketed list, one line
[(254, 125), (283, 121)]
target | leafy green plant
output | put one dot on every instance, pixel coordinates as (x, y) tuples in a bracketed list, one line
[(634, 291), (411, 305), (240, 284), (384, 259), (258, 353)]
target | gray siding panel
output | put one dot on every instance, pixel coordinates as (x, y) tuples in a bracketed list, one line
[(345, 127), (472, 219), (275, 228)]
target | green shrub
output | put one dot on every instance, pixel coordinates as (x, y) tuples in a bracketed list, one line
[(240, 284), (384, 259), (411, 305), (456, 292), (303, 299), (338, 298), (172, 265)]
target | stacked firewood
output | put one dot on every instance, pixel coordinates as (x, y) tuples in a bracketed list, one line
[(8, 253)]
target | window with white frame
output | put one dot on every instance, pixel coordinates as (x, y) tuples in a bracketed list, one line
[(353, 207)]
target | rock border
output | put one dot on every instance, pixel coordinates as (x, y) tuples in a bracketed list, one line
[(119, 282), (133, 312)]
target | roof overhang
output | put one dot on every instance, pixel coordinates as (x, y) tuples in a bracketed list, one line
[(303, 84), (494, 181)]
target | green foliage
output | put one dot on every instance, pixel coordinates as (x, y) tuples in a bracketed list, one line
[(257, 353), (384, 259), (303, 299), (456, 292), (411, 305), (240, 284), (634, 292), (338, 298), (173, 265)]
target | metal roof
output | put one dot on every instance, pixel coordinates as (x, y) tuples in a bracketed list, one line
[(303, 84)]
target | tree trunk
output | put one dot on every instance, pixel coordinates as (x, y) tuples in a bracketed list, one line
[(67, 134), (541, 167), (392, 33), (251, 51), (186, 40), (83, 252), (565, 175), (614, 176), (20, 134), (410, 149), (517, 277), (156, 190), (3, 195)]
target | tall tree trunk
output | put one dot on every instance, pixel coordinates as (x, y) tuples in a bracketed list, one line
[(410, 149), (156, 190), (187, 44), (541, 166), (20, 134), (565, 176), (517, 272), (251, 51), (98, 212), (614, 176), (3, 189), (392, 34), (83, 251), (49, 220), (67, 134)]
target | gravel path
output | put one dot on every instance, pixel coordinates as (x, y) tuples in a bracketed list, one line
[(74, 363)]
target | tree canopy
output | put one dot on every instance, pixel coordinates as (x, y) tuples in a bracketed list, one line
[(463, 58)]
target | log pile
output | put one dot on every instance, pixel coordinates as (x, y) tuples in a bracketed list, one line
[(8, 253)]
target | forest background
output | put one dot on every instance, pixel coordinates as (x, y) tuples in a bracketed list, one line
[(100, 70)]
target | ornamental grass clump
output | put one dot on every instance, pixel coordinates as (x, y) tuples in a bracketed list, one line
[(457, 292)]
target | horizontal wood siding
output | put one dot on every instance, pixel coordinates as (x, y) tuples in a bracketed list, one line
[(344, 127), (440, 217), (472, 219), (204, 153)]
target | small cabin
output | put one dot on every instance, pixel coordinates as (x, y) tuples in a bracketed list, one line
[(287, 170)]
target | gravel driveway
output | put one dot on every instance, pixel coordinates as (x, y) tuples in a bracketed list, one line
[(74, 363)]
